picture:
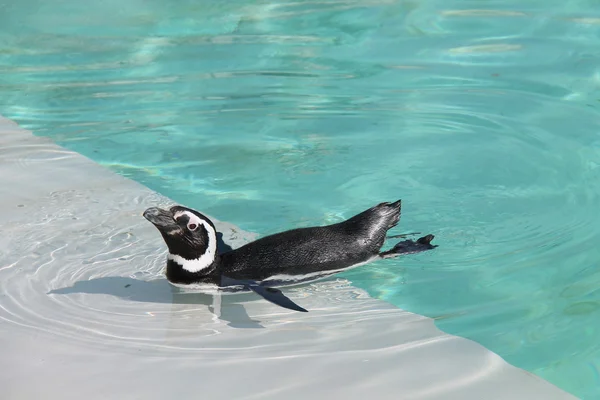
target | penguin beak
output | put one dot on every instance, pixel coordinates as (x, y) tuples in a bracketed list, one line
[(160, 218)]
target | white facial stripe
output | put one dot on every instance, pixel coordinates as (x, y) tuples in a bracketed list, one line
[(206, 259), (192, 217)]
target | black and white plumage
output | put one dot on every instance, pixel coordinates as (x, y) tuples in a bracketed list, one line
[(285, 258)]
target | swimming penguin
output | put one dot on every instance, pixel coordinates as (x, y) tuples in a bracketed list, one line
[(285, 258)]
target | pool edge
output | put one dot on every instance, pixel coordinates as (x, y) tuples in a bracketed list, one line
[(30, 159)]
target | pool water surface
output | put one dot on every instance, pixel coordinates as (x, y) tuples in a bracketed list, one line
[(482, 117)]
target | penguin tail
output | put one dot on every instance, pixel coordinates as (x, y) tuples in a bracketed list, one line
[(392, 211)]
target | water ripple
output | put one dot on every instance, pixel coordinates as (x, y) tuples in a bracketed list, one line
[(91, 276), (483, 119)]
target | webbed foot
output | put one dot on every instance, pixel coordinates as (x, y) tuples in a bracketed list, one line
[(410, 247)]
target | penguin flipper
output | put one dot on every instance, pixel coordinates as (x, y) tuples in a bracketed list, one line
[(273, 295)]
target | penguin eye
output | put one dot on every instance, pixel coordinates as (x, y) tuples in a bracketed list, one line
[(192, 227)]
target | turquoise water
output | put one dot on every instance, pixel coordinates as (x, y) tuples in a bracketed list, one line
[(482, 116)]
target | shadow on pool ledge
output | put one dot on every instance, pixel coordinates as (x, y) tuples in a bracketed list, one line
[(160, 291)]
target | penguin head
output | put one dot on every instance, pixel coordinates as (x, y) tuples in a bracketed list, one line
[(190, 236)]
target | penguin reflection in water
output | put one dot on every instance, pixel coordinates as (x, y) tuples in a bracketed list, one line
[(285, 258)]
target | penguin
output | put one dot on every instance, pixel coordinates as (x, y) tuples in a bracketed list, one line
[(287, 258)]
